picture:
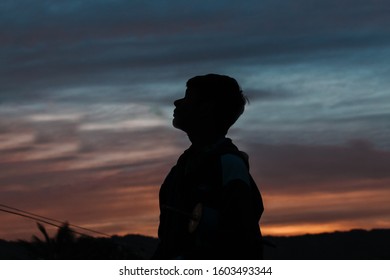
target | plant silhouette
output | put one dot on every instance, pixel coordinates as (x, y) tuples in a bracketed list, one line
[(65, 245)]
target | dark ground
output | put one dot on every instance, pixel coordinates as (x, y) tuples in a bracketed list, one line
[(351, 245), (355, 245)]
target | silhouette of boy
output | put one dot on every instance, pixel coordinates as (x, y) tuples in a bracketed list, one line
[(210, 206)]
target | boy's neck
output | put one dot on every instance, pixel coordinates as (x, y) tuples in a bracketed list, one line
[(204, 140)]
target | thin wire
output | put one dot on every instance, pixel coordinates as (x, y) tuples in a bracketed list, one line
[(43, 221), (50, 219)]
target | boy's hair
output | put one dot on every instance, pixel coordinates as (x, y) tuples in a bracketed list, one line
[(225, 93)]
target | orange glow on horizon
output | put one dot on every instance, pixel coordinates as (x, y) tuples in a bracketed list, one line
[(294, 230)]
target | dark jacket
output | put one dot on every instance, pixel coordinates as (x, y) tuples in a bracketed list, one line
[(210, 206)]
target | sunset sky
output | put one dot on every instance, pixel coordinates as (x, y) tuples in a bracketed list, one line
[(86, 93)]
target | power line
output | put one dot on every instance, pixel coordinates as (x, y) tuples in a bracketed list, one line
[(43, 219)]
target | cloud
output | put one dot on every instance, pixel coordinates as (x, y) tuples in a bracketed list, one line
[(86, 92), (307, 169), (324, 212), (60, 169), (52, 45), (112, 183)]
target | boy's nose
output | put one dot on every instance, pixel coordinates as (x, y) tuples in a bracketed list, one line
[(177, 102)]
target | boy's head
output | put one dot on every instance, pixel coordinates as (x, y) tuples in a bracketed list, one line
[(211, 102)]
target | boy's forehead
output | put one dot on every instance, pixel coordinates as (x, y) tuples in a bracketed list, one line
[(191, 90), (193, 93), (198, 95)]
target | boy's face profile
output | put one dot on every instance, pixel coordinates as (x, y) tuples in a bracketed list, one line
[(192, 112)]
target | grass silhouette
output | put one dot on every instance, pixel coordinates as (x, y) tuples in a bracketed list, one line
[(66, 245)]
